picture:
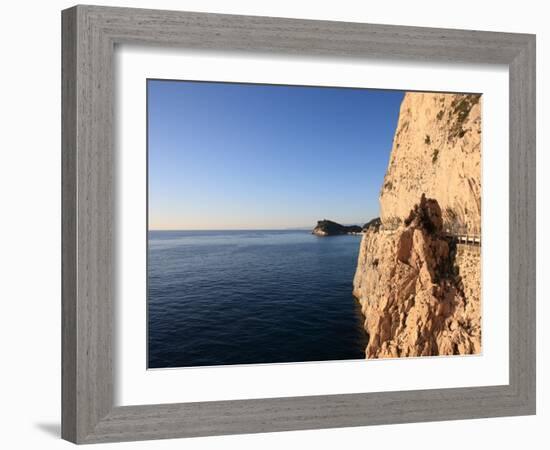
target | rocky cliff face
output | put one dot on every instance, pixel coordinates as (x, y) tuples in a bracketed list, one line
[(436, 151), (418, 287), (412, 292)]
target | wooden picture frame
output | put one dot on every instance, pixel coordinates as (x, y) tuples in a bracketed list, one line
[(90, 34)]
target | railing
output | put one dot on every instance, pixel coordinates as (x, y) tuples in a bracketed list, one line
[(461, 234), (468, 239), (464, 235)]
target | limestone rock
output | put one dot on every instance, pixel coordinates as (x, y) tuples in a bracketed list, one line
[(437, 151), (409, 284), (420, 290)]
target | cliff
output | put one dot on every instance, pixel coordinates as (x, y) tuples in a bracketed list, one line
[(330, 228), (419, 288), (436, 151)]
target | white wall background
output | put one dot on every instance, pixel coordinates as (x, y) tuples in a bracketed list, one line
[(30, 222)]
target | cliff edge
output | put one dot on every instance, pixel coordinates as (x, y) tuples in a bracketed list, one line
[(418, 285)]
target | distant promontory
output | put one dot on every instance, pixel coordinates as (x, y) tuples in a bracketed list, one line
[(329, 228), (373, 224)]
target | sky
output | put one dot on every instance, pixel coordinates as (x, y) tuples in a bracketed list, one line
[(250, 156)]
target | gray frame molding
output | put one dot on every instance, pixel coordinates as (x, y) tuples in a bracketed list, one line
[(89, 36)]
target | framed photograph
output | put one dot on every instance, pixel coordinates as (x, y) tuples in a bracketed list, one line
[(278, 224)]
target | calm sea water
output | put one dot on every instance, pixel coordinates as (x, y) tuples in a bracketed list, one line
[(244, 297)]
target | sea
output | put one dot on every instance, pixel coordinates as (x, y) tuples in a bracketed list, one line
[(251, 297)]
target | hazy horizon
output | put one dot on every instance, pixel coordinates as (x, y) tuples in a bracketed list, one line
[(228, 156)]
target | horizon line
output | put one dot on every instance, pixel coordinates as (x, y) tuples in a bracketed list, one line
[(229, 229), (235, 229)]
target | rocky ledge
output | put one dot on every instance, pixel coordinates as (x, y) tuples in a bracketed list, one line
[(329, 228)]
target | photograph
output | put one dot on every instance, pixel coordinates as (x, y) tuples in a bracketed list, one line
[(300, 223)]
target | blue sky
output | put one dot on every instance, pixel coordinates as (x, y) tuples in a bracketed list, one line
[(245, 156)]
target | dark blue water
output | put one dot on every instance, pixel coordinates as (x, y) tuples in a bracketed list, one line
[(244, 297)]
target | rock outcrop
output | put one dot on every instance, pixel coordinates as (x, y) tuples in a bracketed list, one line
[(411, 292), (419, 289), (330, 228)]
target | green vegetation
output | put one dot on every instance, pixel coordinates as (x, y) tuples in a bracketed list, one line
[(374, 224), (329, 228), (462, 106)]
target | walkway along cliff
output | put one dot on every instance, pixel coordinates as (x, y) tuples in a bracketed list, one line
[(418, 280)]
